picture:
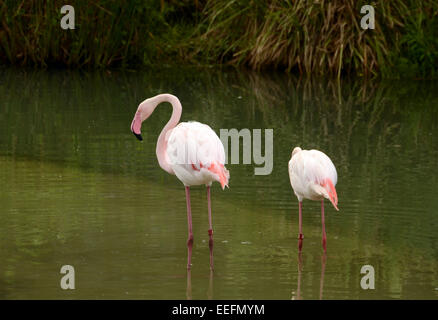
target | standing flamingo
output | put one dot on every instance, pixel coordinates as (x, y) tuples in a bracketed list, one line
[(190, 150), (313, 176)]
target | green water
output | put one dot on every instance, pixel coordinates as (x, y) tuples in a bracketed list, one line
[(78, 189)]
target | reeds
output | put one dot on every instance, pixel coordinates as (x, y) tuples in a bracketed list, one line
[(306, 37), (107, 33), (320, 37)]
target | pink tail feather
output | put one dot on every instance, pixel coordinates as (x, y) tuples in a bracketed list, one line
[(222, 172), (330, 188)]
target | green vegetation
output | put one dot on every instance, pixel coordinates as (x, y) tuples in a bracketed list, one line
[(305, 37)]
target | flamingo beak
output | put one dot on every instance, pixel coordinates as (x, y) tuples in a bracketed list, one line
[(136, 125), (138, 136)]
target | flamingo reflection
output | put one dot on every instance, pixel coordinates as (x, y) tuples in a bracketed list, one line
[(189, 285), (297, 296)]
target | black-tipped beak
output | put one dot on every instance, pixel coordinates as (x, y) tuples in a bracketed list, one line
[(138, 136)]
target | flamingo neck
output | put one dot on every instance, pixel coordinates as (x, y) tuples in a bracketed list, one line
[(173, 121)]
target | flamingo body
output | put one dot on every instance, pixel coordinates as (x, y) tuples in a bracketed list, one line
[(313, 176), (196, 154)]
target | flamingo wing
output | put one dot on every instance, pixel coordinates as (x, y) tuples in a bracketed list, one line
[(313, 174), (197, 154)]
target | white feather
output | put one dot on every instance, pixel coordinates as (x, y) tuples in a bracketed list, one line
[(307, 170), (194, 144)]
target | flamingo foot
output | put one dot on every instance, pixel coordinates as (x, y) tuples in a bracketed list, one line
[(210, 242), (189, 252), (190, 241), (324, 244)]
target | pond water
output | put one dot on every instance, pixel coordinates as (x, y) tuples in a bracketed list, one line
[(78, 189)]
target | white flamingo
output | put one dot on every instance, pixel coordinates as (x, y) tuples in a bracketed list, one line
[(313, 176), (190, 150)]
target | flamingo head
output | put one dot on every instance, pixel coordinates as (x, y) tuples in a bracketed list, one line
[(144, 110), (295, 151)]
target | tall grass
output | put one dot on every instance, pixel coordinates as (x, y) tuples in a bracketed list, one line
[(306, 37), (320, 36), (107, 33)]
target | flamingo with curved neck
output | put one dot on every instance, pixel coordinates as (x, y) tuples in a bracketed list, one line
[(190, 150), (144, 110)]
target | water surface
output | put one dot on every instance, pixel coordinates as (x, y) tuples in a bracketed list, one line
[(77, 188)]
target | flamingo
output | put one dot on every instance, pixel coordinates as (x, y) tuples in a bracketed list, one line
[(313, 176), (190, 150)]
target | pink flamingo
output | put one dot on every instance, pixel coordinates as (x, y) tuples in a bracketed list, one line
[(313, 176), (190, 150)]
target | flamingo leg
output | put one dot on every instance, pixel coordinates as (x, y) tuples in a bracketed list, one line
[(189, 221), (300, 268), (210, 286), (324, 236), (321, 283), (189, 285), (300, 225), (210, 231)]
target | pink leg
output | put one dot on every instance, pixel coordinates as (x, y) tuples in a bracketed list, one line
[(321, 283), (189, 285), (300, 226), (210, 286), (210, 231), (189, 221), (300, 268), (324, 236)]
